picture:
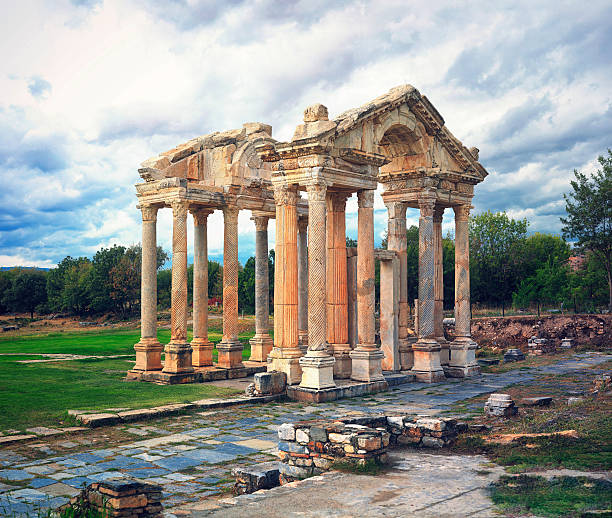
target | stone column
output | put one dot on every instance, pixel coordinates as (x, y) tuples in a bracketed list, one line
[(178, 350), (439, 286), (367, 356), (351, 280), (286, 352), (261, 343), (426, 350), (463, 348), (230, 348), (397, 241), (317, 365), (337, 293), (148, 349), (303, 284), (201, 346), (389, 310)]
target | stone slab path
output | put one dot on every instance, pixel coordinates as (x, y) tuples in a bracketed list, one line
[(191, 456)]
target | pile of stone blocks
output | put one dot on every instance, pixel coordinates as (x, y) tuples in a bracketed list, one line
[(120, 498), (253, 478), (308, 448), (500, 405), (513, 355)]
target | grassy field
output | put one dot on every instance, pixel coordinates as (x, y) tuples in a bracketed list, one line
[(35, 394)]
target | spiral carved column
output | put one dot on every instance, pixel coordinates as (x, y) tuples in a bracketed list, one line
[(367, 357), (303, 283), (463, 348), (178, 350), (230, 347), (426, 350), (261, 343), (201, 345), (317, 365), (148, 349)]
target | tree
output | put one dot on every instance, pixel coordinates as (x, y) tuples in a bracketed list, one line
[(549, 284), (68, 286), (589, 215), (28, 291), (246, 287), (539, 248), (6, 282), (495, 244)]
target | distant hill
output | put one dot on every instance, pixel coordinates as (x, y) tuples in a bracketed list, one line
[(24, 268)]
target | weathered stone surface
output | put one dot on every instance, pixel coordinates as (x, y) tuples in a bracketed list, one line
[(536, 401), (500, 405), (286, 432), (272, 382), (513, 355)]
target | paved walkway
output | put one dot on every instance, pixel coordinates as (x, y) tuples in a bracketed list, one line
[(192, 456)]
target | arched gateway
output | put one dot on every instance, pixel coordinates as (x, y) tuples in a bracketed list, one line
[(324, 321)]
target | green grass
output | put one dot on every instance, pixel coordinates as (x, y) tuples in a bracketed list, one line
[(39, 394), (559, 497), (369, 467)]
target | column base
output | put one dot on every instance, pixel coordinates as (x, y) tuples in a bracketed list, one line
[(261, 346), (342, 365), (178, 358), (202, 352), (148, 355), (366, 364), (406, 354), (427, 366), (230, 355), (444, 350), (303, 340), (463, 358), (287, 361), (317, 370)]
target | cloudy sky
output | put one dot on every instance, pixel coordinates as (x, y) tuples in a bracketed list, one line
[(91, 88)]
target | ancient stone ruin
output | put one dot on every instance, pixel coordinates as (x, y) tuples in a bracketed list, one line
[(324, 321)]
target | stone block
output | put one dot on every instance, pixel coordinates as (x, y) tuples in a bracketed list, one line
[(322, 463), (302, 436), (286, 432), (432, 442), (369, 443), (513, 355), (536, 401), (96, 420), (318, 434), (292, 447), (259, 476), (273, 382), (431, 424), (339, 437), (295, 472)]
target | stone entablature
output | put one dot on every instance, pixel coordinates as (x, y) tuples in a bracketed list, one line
[(324, 326)]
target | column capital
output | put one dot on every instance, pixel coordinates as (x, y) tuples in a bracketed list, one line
[(316, 191), (149, 212), (365, 199), (200, 215), (261, 223), (303, 223), (230, 212), (462, 212), (336, 201), (427, 206), (438, 214), (284, 194), (179, 209), (396, 209)]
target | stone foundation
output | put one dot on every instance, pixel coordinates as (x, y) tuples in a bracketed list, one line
[(199, 375), (119, 498)]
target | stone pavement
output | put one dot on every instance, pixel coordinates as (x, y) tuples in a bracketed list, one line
[(191, 456)]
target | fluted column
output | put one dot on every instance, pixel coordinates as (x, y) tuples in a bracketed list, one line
[(426, 350), (261, 343), (397, 241), (178, 350), (285, 353), (439, 286), (317, 365), (337, 294), (463, 348), (148, 349), (230, 347), (200, 344), (303, 283), (367, 356)]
